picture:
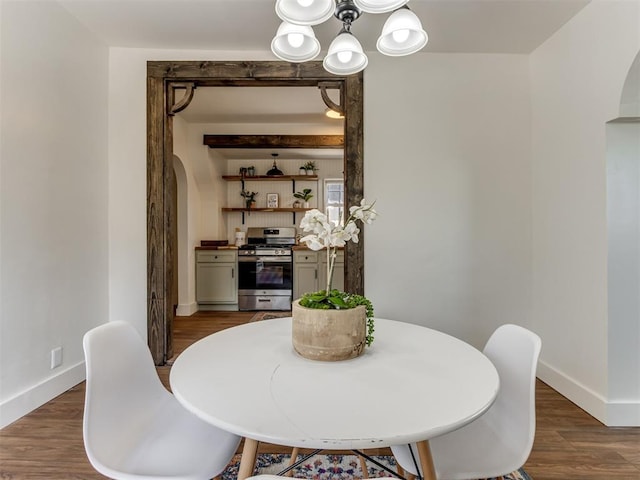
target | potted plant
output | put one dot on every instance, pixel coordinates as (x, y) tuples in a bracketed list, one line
[(249, 198), (305, 196), (303, 170), (329, 324), (310, 167)]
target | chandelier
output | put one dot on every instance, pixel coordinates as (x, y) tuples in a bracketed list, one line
[(295, 41)]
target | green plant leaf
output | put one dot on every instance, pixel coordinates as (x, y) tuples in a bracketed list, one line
[(338, 301)]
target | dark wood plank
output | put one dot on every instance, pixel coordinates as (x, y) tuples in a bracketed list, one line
[(354, 179), (274, 141), (269, 178), (156, 225), (212, 73)]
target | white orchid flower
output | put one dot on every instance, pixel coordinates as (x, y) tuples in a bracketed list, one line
[(315, 221), (324, 235), (363, 212), (313, 242), (351, 230)]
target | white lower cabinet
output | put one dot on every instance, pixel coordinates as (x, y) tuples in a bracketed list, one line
[(216, 277), (310, 272), (305, 273)]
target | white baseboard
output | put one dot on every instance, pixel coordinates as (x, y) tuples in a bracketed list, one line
[(186, 309), (623, 414), (221, 308), (612, 414), (18, 406)]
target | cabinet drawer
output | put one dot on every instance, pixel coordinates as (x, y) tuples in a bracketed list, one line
[(216, 256), (305, 257)]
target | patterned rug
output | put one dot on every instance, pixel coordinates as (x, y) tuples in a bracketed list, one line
[(328, 467), (267, 315)]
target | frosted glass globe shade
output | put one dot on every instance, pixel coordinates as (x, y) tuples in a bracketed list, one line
[(379, 6), (402, 34), (295, 43), (305, 12), (345, 55), (295, 39)]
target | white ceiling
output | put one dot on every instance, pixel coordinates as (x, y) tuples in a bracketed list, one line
[(453, 26), (469, 26)]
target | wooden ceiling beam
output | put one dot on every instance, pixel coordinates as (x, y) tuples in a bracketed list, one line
[(274, 141)]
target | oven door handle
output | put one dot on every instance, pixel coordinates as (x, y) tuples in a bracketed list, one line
[(283, 259)]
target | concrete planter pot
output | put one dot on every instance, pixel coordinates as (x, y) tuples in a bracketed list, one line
[(328, 335)]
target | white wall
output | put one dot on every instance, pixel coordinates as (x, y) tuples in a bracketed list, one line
[(127, 173), (53, 228), (447, 160), (577, 79), (451, 146)]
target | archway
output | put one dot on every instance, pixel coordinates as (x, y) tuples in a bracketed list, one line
[(183, 220)]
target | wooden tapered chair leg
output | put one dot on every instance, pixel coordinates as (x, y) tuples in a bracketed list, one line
[(363, 466), (294, 456)]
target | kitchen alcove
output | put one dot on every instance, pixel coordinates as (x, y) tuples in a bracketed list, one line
[(291, 142)]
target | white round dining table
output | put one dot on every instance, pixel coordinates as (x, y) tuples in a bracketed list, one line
[(412, 384)]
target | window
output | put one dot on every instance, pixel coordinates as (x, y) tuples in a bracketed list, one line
[(334, 200)]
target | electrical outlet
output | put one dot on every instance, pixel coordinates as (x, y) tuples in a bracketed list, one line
[(56, 357)]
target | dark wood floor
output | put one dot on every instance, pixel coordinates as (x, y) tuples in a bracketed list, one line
[(570, 444)]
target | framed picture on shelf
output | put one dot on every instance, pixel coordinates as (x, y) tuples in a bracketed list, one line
[(272, 200)]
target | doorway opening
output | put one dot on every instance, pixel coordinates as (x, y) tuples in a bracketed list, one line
[(165, 82)]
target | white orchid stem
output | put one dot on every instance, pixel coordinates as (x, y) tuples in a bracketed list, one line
[(331, 259)]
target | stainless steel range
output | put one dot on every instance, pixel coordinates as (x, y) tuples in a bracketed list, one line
[(265, 278)]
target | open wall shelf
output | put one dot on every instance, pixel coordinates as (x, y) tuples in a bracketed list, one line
[(271, 178), (242, 209), (268, 210)]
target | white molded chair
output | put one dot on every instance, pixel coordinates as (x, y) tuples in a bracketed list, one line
[(134, 428), (500, 441)]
